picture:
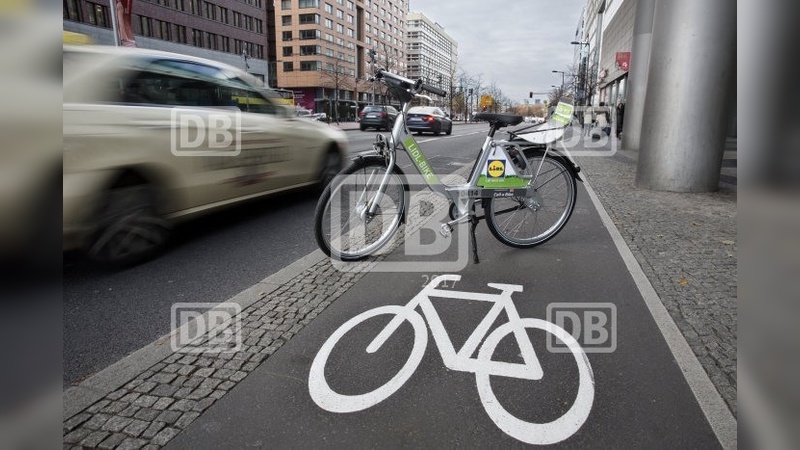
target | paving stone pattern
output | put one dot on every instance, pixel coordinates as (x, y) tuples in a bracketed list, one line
[(159, 403), (686, 245)]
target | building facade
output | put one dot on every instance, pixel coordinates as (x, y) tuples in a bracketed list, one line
[(322, 49), (606, 33), (432, 54), (221, 30)]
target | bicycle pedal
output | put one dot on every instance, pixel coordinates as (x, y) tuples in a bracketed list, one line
[(446, 230)]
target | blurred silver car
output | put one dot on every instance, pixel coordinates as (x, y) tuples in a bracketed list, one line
[(152, 138)]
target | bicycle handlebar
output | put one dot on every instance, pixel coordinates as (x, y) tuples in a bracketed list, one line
[(408, 83)]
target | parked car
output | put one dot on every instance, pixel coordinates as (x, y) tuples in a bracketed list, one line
[(302, 112), (428, 119), (322, 117), (378, 117), (152, 138)]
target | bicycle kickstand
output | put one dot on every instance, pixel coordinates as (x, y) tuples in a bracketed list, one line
[(473, 223)]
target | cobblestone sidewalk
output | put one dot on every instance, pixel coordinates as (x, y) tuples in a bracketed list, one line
[(686, 245)]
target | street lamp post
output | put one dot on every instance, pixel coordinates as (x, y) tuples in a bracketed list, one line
[(582, 78), (562, 78)]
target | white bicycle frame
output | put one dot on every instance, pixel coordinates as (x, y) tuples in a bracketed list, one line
[(462, 360), (461, 195)]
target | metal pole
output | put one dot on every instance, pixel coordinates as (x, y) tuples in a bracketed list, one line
[(113, 10), (692, 69), (637, 76)]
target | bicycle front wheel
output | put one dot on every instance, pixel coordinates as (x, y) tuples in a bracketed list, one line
[(527, 221), (529, 432), (346, 225), (326, 398)]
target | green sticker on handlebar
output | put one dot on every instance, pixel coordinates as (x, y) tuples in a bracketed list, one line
[(419, 160)]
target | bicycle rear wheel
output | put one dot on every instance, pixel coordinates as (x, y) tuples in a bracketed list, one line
[(528, 221), (343, 226)]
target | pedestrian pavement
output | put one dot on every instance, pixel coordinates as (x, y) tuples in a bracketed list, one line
[(685, 245)]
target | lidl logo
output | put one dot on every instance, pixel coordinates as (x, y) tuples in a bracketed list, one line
[(496, 168)]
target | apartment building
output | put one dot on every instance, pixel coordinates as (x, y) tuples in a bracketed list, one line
[(221, 30), (322, 50), (432, 53)]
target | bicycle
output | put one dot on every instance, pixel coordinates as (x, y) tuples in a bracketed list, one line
[(527, 189), (461, 360)]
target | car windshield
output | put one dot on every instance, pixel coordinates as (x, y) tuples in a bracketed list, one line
[(164, 81)]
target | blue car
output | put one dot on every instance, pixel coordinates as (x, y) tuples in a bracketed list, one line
[(428, 119)]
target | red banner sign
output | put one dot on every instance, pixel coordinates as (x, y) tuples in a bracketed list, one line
[(623, 60), (124, 28)]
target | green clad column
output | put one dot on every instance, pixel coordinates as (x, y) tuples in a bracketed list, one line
[(685, 118)]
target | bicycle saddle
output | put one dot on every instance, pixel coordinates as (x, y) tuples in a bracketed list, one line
[(499, 120)]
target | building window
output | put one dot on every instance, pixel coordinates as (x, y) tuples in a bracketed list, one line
[(98, 15), (288, 66), (307, 66), (226, 44), (309, 34), (328, 8), (306, 50), (145, 26), (166, 30), (72, 10), (197, 38), (308, 4), (286, 35), (286, 20), (211, 11), (309, 18), (211, 41), (286, 4), (180, 34), (287, 51)]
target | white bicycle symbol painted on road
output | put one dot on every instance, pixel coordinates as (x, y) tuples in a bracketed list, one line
[(483, 366)]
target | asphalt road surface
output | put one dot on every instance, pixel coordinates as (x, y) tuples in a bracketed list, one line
[(110, 314)]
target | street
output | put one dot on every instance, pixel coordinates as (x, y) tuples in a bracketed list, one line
[(109, 314)]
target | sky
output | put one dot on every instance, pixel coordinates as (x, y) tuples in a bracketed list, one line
[(516, 43)]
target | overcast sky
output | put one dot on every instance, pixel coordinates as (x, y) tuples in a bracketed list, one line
[(517, 43)]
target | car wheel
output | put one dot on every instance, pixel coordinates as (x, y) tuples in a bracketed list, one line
[(450, 130), (330, 168), (131, 230), (363, 128)]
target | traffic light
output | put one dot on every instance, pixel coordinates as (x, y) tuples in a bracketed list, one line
[(530, 94), (470, 91)]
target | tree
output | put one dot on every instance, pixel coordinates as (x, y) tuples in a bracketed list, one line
[(335, 75)]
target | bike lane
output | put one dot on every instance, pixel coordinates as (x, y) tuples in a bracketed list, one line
[(640, 395)]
